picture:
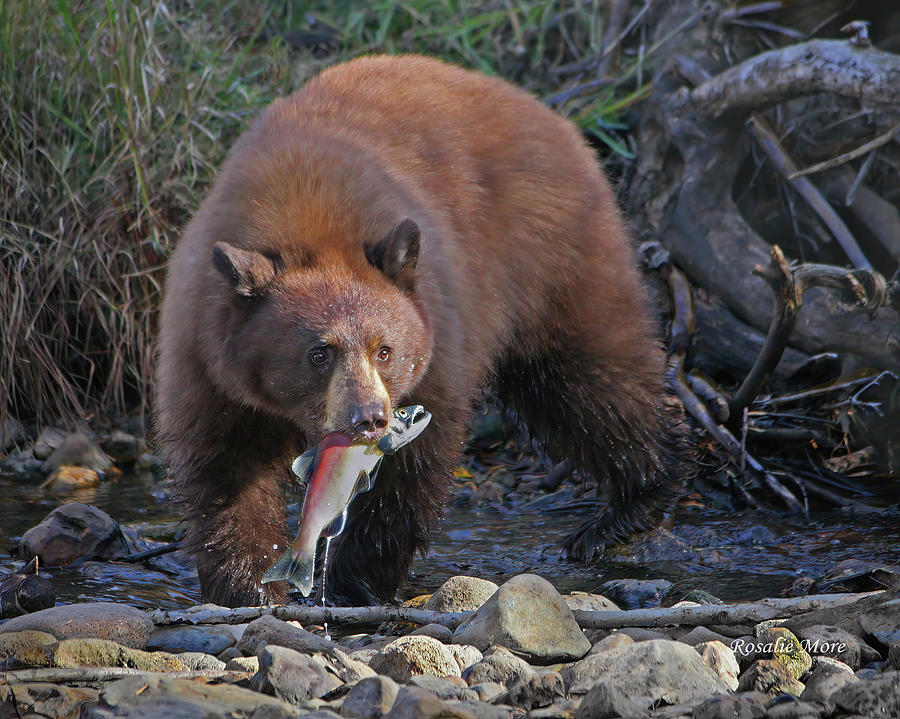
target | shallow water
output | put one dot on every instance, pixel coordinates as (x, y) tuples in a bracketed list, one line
[(739, 556)]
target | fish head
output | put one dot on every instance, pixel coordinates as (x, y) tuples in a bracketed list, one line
[(406, 424)]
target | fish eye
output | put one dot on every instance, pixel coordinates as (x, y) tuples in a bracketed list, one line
[(402, 413)]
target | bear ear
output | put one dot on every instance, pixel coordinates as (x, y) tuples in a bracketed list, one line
[(249, 272), (396, 255)]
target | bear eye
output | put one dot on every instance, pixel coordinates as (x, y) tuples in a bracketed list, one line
[(318, 356), (384, 354)]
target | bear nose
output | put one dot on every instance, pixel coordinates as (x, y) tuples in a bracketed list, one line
[(369, 420)]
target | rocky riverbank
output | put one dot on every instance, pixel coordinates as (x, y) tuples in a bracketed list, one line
[(519, 653)]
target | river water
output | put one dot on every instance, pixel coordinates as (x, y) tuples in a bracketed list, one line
[(739, 556)]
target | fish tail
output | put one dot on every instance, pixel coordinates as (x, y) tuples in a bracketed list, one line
[(297, 570)]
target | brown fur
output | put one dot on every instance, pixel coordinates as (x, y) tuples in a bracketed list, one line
[(525, 277)]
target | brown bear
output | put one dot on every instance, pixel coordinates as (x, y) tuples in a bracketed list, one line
[(401, 231)]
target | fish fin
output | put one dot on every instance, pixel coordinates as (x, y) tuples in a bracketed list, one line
[(297, 570), (303, 465), (364, 482)]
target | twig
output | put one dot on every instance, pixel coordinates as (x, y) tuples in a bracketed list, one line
[(765, 135), (787, 299), (105, 674), (150, 553), (714, 398), (727, 614), (307, 615), (882, 139)]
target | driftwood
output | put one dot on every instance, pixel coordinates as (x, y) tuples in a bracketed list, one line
[(92, 675), (692, 142)]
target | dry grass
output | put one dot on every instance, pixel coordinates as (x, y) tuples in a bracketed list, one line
[(113, 116)]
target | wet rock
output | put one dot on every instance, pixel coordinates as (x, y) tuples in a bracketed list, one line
[(664, 670), (411, 655), (616, 640), (824, 640), (105, 653), (658, 545), (102, 620), (530, 617), (417, 703), (209, 639), (587, 602), (435, 631), (19, 650), (858, 575), (242, 664), (122, 447), (721, 660), (370, 698), (48, 440), (291, 676), (749, 705), (74, 531), (200, 662), (636, 593), (67, 479), (699, 635), (40, 699), (461, 594), (700, 597), (443, 688), (79, 450), (825, 679), (503, 669), (22, 464), (606, 699), (144, 696), (770, 677), (879, 697), (781, 644), (465, 655), (269, 630), (539, 690), (883, 622)]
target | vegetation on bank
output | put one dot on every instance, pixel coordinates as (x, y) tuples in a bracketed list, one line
[(114, 116)]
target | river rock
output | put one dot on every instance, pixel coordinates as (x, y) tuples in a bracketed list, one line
[(662, 669), (487, 691), (48, 440), (209, 639), (418, 703), (781, 644), (528, 616), (124, 448), (771, 677), (788, 707), (269, 630), (587, 602), (291, 676), (435, 631), (242, 664), (67, 479), (370, 698), (749, 705), (636, 593), (500, 668), (465, 655), (200, 662), (19, 650), (825, 678), (875, 698), (539, 690), (86, 652), (79, 450), (74, 531), (894, 655), (700, 635), (101, 620), (883, 622), (461, 594), (480, 710), (829, 641), (721, 660), (444, 687), (144, 696), (606, 700), (41, 699), (408, 656)]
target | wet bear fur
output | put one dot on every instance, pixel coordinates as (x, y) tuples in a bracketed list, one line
[(401, 230)]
